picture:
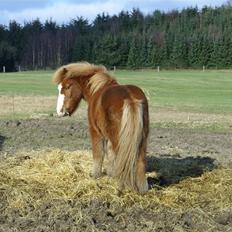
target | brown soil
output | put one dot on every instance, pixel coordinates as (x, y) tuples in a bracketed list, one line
[(176, 153)]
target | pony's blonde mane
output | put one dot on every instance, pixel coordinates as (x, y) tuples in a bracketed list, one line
[(76, 70), (98, 74), (99, 80)]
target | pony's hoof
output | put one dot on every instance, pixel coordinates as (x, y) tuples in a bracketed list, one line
[(95, 175), (109, 173), (142, 189)]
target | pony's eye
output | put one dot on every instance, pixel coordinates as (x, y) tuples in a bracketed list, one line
[(68, 87)]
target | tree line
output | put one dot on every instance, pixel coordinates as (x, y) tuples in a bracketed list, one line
[(190, 38)]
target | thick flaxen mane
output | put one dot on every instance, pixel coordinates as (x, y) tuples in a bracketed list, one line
[(75, 70), (99, 80), (98, 74)]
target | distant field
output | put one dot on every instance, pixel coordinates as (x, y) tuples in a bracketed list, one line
[(27, 83), (195, 91), (190, 91)]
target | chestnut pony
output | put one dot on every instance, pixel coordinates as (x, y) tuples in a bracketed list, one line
[(118, 120)]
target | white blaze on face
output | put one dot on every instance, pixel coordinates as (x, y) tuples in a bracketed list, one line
[(60, 102)]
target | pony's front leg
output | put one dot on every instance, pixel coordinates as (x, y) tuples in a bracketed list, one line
[(98, 156), (110, 160)]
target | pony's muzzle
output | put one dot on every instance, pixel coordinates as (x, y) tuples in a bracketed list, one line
[(63, 114), (66, 114)]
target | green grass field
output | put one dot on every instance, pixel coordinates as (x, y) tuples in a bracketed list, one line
[(191, 91)]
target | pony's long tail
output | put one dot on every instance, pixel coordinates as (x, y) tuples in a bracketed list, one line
[(130, 138)]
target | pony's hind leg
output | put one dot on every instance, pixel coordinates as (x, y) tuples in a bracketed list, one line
[(142, 184), (141, 180), (98, 156)]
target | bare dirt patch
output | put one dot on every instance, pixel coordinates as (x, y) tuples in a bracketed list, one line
[(72, 134)]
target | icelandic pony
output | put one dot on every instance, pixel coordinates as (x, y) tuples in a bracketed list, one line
[(118, 120)]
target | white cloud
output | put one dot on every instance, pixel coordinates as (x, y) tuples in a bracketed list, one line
[(200, 3), (63, 11)]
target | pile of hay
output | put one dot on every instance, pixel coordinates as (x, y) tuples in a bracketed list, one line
[(52, 190), (42, 176)]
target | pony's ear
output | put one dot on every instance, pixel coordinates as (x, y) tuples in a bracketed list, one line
[(59, 75), (65, 70)]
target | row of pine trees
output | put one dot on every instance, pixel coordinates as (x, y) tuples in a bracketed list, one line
[(190, 38)]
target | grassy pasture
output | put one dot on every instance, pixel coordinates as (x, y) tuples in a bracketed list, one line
[(195, 91), (192, 91), (27, 83), (185, 98)]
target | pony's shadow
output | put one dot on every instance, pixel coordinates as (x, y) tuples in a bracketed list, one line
[(172, 170), (2, 139)]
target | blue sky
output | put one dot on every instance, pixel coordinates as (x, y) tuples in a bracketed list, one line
[(64, 10)]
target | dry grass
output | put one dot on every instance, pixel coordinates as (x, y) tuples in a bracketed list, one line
[(30, 179), (31, 106), (165, 115), (43, 106), (28, 105)]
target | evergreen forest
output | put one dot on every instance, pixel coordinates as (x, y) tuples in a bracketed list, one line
[(190, 38)]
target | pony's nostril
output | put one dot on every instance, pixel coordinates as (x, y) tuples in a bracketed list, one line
[(66, 114)]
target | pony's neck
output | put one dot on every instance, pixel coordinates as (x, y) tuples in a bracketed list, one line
[(83, 82), (91, 85)]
